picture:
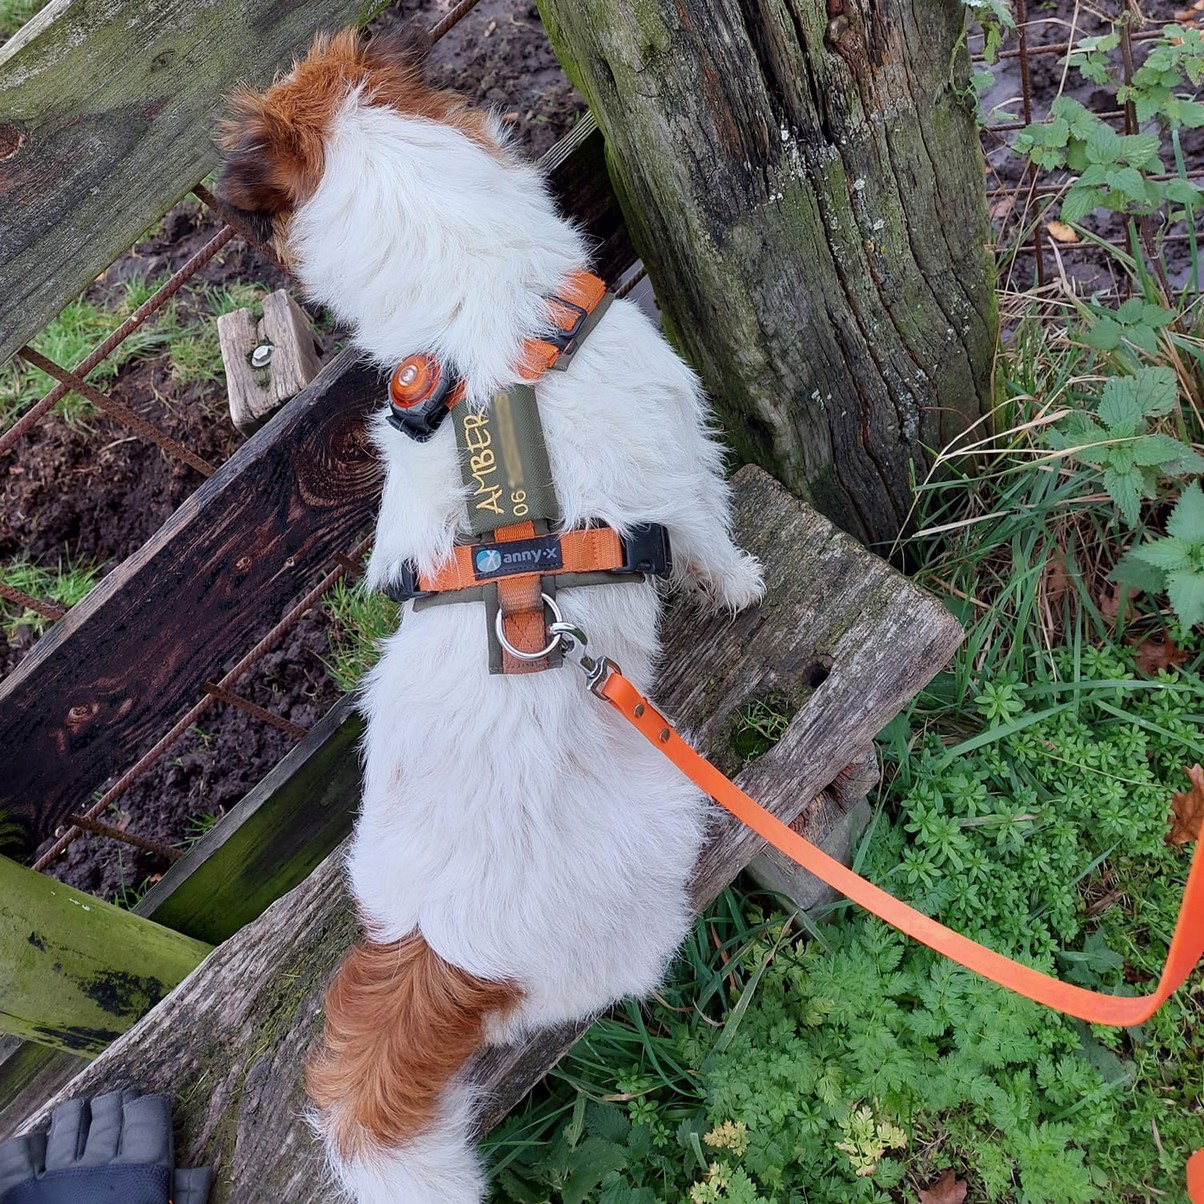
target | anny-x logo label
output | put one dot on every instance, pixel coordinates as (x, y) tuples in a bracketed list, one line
[(540, 555)]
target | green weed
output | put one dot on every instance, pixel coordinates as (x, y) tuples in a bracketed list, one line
[(363, 618), (67, 583)]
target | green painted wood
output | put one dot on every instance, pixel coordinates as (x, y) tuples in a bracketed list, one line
[(272, 841), (805, 184), (107, 112), (76, 972)]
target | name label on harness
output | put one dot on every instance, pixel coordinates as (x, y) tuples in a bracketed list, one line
[(540, 555), (504, 463)]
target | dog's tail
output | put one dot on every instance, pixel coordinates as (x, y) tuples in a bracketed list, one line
[(400, 1024)]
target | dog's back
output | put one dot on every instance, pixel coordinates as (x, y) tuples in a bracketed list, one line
[(522, 857)]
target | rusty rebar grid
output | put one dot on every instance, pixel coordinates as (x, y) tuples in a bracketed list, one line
[(48, 610), (1030, 52), (181, 725), (131, 838), (151, 306), (118, 412), (453, 18), (219, 694)]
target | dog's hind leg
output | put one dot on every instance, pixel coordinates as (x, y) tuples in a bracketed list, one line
[(400, 1024)]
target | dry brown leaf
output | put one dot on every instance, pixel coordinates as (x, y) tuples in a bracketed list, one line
[(948, 1189), (1113, 601), (1187, 809), (1002, 207), (1054, 578), (1153, 656), (1061, 231)]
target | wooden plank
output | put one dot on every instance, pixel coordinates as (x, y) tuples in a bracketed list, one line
[(235, 1033), (272, 841), (268, 844), (112, 107), (104, 682), (108, 679), (76, 972)]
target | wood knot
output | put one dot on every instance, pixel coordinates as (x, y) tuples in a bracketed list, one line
[(81, 713), (11, 140)]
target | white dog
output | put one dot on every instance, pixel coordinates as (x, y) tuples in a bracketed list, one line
[(522, 857)]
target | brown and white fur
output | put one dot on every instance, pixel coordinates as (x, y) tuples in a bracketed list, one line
[(521, 857)]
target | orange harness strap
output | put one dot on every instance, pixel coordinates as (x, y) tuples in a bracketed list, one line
[(594, 550), (1186, 947)]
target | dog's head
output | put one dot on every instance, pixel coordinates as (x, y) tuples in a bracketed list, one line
[(275, 140)]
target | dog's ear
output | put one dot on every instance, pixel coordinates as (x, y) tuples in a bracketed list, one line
[(267, 166)]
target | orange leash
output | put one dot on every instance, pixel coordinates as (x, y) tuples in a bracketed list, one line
[(1187, 943)]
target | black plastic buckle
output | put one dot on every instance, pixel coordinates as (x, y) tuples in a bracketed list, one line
[(404, 587), (562, 339), (646, 550)]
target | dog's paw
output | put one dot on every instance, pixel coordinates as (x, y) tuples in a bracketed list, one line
[(740, 585)]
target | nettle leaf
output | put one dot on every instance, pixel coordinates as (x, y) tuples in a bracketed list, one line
[(1140, 150), (1130, 311), (1161, 451), (1125, 486), (1168, 554), (1156, 390), (1106, 334), (1185, 589), (1135, 573), (1131, 182), (1185, 112), (1187, 519), (1080, 201), (1103, 144), (1182, 192), (591, 1161), (1120, 409)]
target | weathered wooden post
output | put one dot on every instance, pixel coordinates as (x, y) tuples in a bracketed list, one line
[(76, 972), (805, 184)]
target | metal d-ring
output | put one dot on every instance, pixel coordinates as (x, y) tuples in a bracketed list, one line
[(553, 643)]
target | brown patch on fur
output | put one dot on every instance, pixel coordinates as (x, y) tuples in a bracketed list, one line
[(400, 1022), (275, 141)]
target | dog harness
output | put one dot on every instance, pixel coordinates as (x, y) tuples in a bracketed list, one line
[(516, 559)]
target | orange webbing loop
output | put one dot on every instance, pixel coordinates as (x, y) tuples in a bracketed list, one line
[(1187, 944), (582, 289), (589, 550), (520, 599)]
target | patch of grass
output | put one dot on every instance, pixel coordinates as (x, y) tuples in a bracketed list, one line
[(15, 13), (67, 583), (199, 826), (184, 330), (193, 349), (363, 619), (67, 340)]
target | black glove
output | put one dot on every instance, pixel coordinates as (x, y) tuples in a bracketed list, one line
[(113, 1149)]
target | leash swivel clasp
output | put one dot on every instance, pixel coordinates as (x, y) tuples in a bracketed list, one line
[(571, 639), (597, 670)]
